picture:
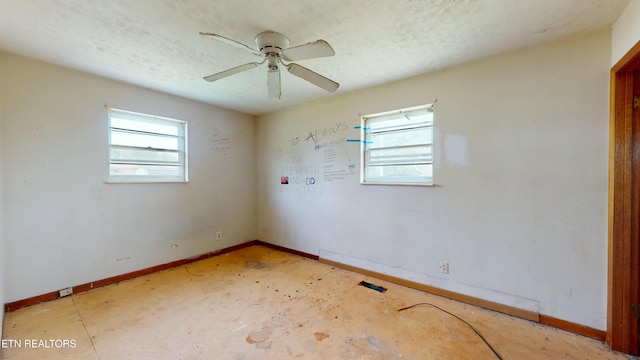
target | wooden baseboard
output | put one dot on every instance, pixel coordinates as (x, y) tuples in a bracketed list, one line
[(114, 279), (284, 249), (509, 310), (573, 327), (486, 304)]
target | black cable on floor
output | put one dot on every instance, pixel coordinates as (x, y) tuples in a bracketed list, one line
[(455, 316)]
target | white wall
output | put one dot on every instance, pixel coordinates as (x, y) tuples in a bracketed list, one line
[(520, 207), (64, 226), (626, 31)]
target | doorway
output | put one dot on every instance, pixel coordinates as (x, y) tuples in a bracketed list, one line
[(623, 310)]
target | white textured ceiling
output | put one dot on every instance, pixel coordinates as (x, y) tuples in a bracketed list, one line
[(155, 43)]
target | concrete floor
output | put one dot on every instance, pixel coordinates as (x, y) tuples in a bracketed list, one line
[(258, 303)]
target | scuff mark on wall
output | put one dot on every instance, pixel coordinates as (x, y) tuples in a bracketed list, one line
[(456, 150)]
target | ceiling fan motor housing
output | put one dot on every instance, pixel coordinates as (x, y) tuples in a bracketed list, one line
[(271, 42)]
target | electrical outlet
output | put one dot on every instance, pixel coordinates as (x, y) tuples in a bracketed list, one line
[(219, 235), (66, 292), (444, 267)]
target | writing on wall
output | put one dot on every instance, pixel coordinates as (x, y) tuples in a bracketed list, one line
[(318, 135), (319, 155), (299, 175), (220, 143)]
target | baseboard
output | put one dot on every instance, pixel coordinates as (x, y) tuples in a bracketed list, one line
[(114, 279), (287, 250), (573, 327), (486, 304), (509, 310)]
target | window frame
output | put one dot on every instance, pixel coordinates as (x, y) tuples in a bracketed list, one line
[(365, 130), (181, 141)]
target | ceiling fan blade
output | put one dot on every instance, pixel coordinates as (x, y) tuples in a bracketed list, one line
[(235, 70), (313, 77), (316, 49), (273, 83), (232, 43)]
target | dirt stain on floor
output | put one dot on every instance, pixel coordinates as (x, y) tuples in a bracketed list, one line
[(367, 347), (320, 335), (259, 265)]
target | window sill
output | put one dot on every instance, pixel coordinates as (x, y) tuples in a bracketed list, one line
[(398, 183), (146, 181)]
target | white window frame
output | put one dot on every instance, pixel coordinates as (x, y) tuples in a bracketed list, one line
[(367, 146), (180, 138)]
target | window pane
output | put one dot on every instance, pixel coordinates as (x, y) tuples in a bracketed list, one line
[(400, 138), (144, 155), (398, 146), (405, 155), (403, 120), (142, 171), (167, 129), (143, 140), (405, 173), (146, 147)]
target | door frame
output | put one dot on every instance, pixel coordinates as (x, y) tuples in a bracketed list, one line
[(624, 201)]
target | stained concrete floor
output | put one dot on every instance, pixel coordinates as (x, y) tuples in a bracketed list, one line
[(258, 303)]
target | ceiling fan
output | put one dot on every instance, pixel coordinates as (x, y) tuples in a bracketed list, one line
[(274, 48)]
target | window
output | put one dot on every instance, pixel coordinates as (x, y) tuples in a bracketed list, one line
[(146, 148), (397, 147)]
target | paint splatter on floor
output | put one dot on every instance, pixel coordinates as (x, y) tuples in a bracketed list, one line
[(261, 338)]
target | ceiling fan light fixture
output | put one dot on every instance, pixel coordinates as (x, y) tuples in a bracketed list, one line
[(273, 84), (273, 62)]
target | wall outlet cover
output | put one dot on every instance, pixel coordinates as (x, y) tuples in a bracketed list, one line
[(444, 267)]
